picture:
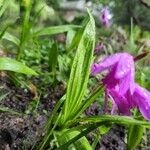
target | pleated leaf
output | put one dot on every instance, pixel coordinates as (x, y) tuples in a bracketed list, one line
[(80, 70)]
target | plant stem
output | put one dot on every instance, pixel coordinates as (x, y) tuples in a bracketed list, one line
[(25, 29)]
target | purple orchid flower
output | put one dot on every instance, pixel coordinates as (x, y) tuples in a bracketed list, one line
[(120, 76), (120, 85), (105, 17), (139, 99)]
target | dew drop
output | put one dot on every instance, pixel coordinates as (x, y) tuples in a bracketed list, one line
[(145, 94), (122, 72), (146, 107)]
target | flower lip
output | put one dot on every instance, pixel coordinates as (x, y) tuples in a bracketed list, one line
[(141, 97)]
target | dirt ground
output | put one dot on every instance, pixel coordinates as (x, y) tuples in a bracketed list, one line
[(19, 131)]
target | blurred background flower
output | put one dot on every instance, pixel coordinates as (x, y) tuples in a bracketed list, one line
[(105, 17)]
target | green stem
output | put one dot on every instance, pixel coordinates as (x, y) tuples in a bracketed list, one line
[(25, 30)]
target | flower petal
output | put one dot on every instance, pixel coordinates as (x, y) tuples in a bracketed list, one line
[(105, 64), (142, 99), (124, 84), (121, 102), (125, 64)]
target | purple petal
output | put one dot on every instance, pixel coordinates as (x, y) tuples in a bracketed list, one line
[(124, 84), (109, 81), (105, 64), (121, 102), (142, 99), (132, 82), (130, 99), (124, 66), (125, 72)]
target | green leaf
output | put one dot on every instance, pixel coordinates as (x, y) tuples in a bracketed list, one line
[(75, 41), (124, 120), (97, 121), (9, 64), (54, 113), (55, 30), (135, 134), (104, 129), (46, 140), (81, 144), (80, 71), (3, 96), (3, 31), (48, 128), (70, 36), (101, 131), (87, 102), (77, 37), (3, 6), (11, 38), (25, 28), (53, 55), (80, 135)]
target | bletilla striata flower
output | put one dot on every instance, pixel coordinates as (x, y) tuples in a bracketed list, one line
[(120, 76), (105, 17), (120, 86), (139, 99)]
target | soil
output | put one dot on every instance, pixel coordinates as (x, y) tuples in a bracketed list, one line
[(19, 131), (113, 139)]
